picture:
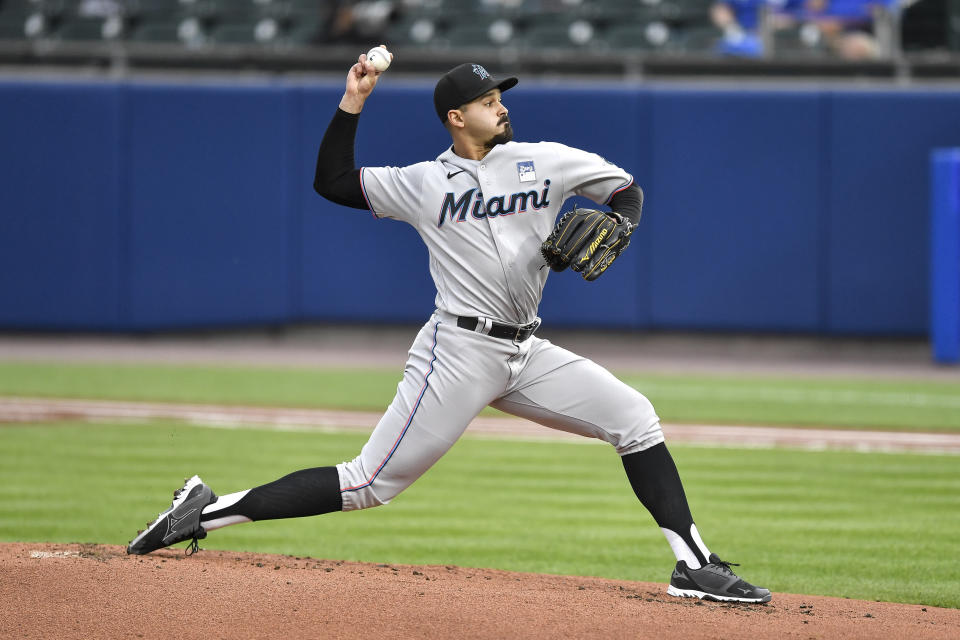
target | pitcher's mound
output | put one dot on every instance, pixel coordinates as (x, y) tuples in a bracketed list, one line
[(97, 591)]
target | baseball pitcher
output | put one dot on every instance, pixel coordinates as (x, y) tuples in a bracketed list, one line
[(487, 209)]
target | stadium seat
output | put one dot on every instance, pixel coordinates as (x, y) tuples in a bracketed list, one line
[(154, 10), (456, 10), (160, 31), (618, 10), (416, 30), (233, 33), (805, 41), (466, 35), (701, 39), (686, 12), (264, 31), (230, 10), (88, 29), (560, 35), (38, 25), (163, 7), (481, 32), (189, 31), (259, 8), (318, 7), (953, 29), (47, 8), (651, 36), (304, 27), (429, 9), (297, 21), (32, 6), (12, 27), (638, 14), (10, 7)]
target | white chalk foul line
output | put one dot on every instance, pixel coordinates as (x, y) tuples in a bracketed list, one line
[(17, 409), (810, 396)]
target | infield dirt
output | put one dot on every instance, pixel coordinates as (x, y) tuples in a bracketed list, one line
[(97, 591)]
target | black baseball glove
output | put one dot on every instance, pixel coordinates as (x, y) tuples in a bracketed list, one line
[(587, 240)]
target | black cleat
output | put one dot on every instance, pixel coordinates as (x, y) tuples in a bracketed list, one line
[(178, 523), (714, 581)]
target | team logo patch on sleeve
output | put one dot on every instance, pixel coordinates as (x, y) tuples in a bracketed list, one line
[(526, 171)]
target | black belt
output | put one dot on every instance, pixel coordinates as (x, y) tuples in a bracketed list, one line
[(498, 329)]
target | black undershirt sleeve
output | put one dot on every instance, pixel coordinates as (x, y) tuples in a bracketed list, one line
[(337, 179), (628, 203)]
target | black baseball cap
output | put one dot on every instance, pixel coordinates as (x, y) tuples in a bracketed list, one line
[(464, 83)]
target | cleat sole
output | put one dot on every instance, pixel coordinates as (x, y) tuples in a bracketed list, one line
[(703, 595)]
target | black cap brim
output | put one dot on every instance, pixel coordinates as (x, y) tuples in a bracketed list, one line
[(503, 85)]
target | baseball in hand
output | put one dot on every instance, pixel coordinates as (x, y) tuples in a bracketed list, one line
[(380, 58)]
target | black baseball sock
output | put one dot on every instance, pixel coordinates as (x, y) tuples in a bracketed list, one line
[(654, 478), (309, 492)]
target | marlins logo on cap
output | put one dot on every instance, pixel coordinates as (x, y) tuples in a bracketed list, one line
[(480, 71)]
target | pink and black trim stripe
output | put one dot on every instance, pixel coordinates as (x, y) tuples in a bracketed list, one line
[(618, 190), (406, 426), (366, 198)]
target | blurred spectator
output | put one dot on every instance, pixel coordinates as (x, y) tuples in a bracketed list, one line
[(360, 21), (739, 20), (846, 26)]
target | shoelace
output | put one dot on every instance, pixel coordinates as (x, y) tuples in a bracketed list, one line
[(726, 565), (193, 547)]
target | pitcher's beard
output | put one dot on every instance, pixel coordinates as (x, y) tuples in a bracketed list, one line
[(501, 138)]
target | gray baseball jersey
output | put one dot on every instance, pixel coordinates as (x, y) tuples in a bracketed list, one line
[(483, 220), (483, 223)]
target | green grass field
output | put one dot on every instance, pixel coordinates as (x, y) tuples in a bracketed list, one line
[(869, 526), (844, 402), (873, 526)]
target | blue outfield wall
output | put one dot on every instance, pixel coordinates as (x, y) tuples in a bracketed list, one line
[(145, 206), (61, 230), (207, 206), (735, 212)]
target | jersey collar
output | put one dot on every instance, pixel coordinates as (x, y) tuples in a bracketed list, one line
[(450, 158)]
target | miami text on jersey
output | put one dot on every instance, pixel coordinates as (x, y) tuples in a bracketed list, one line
[(455, 207)]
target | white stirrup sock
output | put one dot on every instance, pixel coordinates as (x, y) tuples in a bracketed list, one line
[(222, 503), (682, 551)]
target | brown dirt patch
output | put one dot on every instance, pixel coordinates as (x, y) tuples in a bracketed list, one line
[(97, 591)]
